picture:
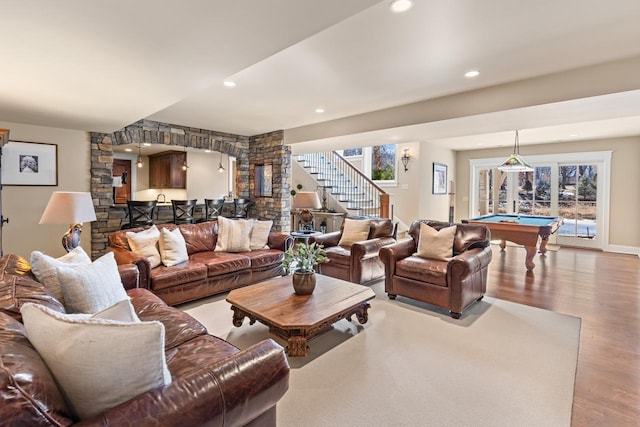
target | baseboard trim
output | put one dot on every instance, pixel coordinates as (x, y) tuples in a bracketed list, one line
[(631, 250)]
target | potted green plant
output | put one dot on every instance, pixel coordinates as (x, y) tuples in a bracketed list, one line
[(301, 260)]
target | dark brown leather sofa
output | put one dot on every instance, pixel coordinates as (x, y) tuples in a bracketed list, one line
[(208, 272), (453, 285), (359, 263), (213, 382)]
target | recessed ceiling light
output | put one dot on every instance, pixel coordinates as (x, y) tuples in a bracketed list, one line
[(147, 144), (229, 83), (399, 6), (207, 151), (573, 135), (472, 73), (128, 150), (319, 110)]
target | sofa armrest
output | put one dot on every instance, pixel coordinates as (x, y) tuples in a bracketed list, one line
[(467, 263), (392, 254), (230, 392), (277, 241), (125, 256), (129, 275), (367, 248), (328, 239)]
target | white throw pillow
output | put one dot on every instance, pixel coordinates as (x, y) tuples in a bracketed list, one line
[(122, 311), (434, 244), (173, 248), (44, 268), (259, 235), (355, 230), (91, 288), (145, 244), (234, 235), (97, 363)]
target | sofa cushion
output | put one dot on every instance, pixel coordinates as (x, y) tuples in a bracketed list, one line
[(145, 244), (19, 286), (44, 268), (219, 263), (91, 288), (173, 248), (179, 327), (423, 270), (381, 228), (30, 396), (165, 277), (354, 230), (233, 235), (200, 237), (262, 258), (339, 255), (436, 244), (97, 362)]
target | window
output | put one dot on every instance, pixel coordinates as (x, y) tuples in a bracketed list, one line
[(352, 152)]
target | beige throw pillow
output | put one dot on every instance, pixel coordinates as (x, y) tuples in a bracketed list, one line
[(145, 244), (122, 310), (233, 235), (44, 268), (91, 288), (355, 230), (435, 244), (259, 235), (98, 363), (173, 248)]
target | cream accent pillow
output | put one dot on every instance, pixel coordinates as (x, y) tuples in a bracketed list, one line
[(435, 244), (122, 311), (355, 230), (145, 244), (234, 235), (259, 234), (91, 288), (97, 363), (173, 248), (44, 268)]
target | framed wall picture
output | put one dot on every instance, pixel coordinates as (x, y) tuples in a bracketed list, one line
[(29, 163), (439, 178)]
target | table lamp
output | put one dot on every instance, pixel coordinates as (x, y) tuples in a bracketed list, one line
[(72, 208), (306, 200)]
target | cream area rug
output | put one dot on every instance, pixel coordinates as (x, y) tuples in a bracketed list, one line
[(501, 364)]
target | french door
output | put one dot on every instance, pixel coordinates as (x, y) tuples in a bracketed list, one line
[(571, 186)]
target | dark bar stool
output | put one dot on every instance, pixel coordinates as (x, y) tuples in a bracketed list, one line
[(140, 213), (212, 209), (242, 207), (184, 211)]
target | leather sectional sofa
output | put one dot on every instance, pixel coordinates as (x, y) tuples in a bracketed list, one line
[(213, 382), (208, 272)]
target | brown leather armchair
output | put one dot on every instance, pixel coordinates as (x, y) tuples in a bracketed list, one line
[(453, 284), (360, 262)]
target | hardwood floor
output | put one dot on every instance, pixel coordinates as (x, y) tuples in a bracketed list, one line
[(604, 290)]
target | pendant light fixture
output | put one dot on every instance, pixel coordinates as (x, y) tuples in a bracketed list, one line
[(220, 167), (139, 159), (515, 163), (185, 166)]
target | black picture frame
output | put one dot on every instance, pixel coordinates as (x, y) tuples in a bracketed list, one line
[(439, 178)]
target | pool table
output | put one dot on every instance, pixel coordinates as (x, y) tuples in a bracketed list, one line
[(520, 229)]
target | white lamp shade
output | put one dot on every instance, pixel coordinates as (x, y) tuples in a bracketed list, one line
[(306, 200), (68, 208)]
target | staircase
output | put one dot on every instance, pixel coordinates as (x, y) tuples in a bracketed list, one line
[(348, 185)]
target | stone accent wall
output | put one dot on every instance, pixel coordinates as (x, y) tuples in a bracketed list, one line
[(248, 151), (270, 149)]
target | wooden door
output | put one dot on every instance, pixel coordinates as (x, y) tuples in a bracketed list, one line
[(122, 194)]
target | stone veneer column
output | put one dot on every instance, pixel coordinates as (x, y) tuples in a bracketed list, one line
[(270, 149), (248, 151)]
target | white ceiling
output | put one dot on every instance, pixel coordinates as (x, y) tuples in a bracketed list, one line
[(99, 66)]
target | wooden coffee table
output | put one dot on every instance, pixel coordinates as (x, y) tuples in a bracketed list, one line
[(298, 318)]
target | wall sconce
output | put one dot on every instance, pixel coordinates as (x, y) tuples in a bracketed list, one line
[(405, 158)]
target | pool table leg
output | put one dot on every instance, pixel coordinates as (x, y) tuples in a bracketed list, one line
[(503, 244), (543, 244), (531, 252)]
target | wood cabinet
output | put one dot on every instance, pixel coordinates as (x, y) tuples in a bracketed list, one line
[(165, 170)]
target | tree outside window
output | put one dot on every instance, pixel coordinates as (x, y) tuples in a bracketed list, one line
[(383, 162)]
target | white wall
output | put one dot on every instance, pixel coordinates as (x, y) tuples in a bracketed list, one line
[(23, 205)]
